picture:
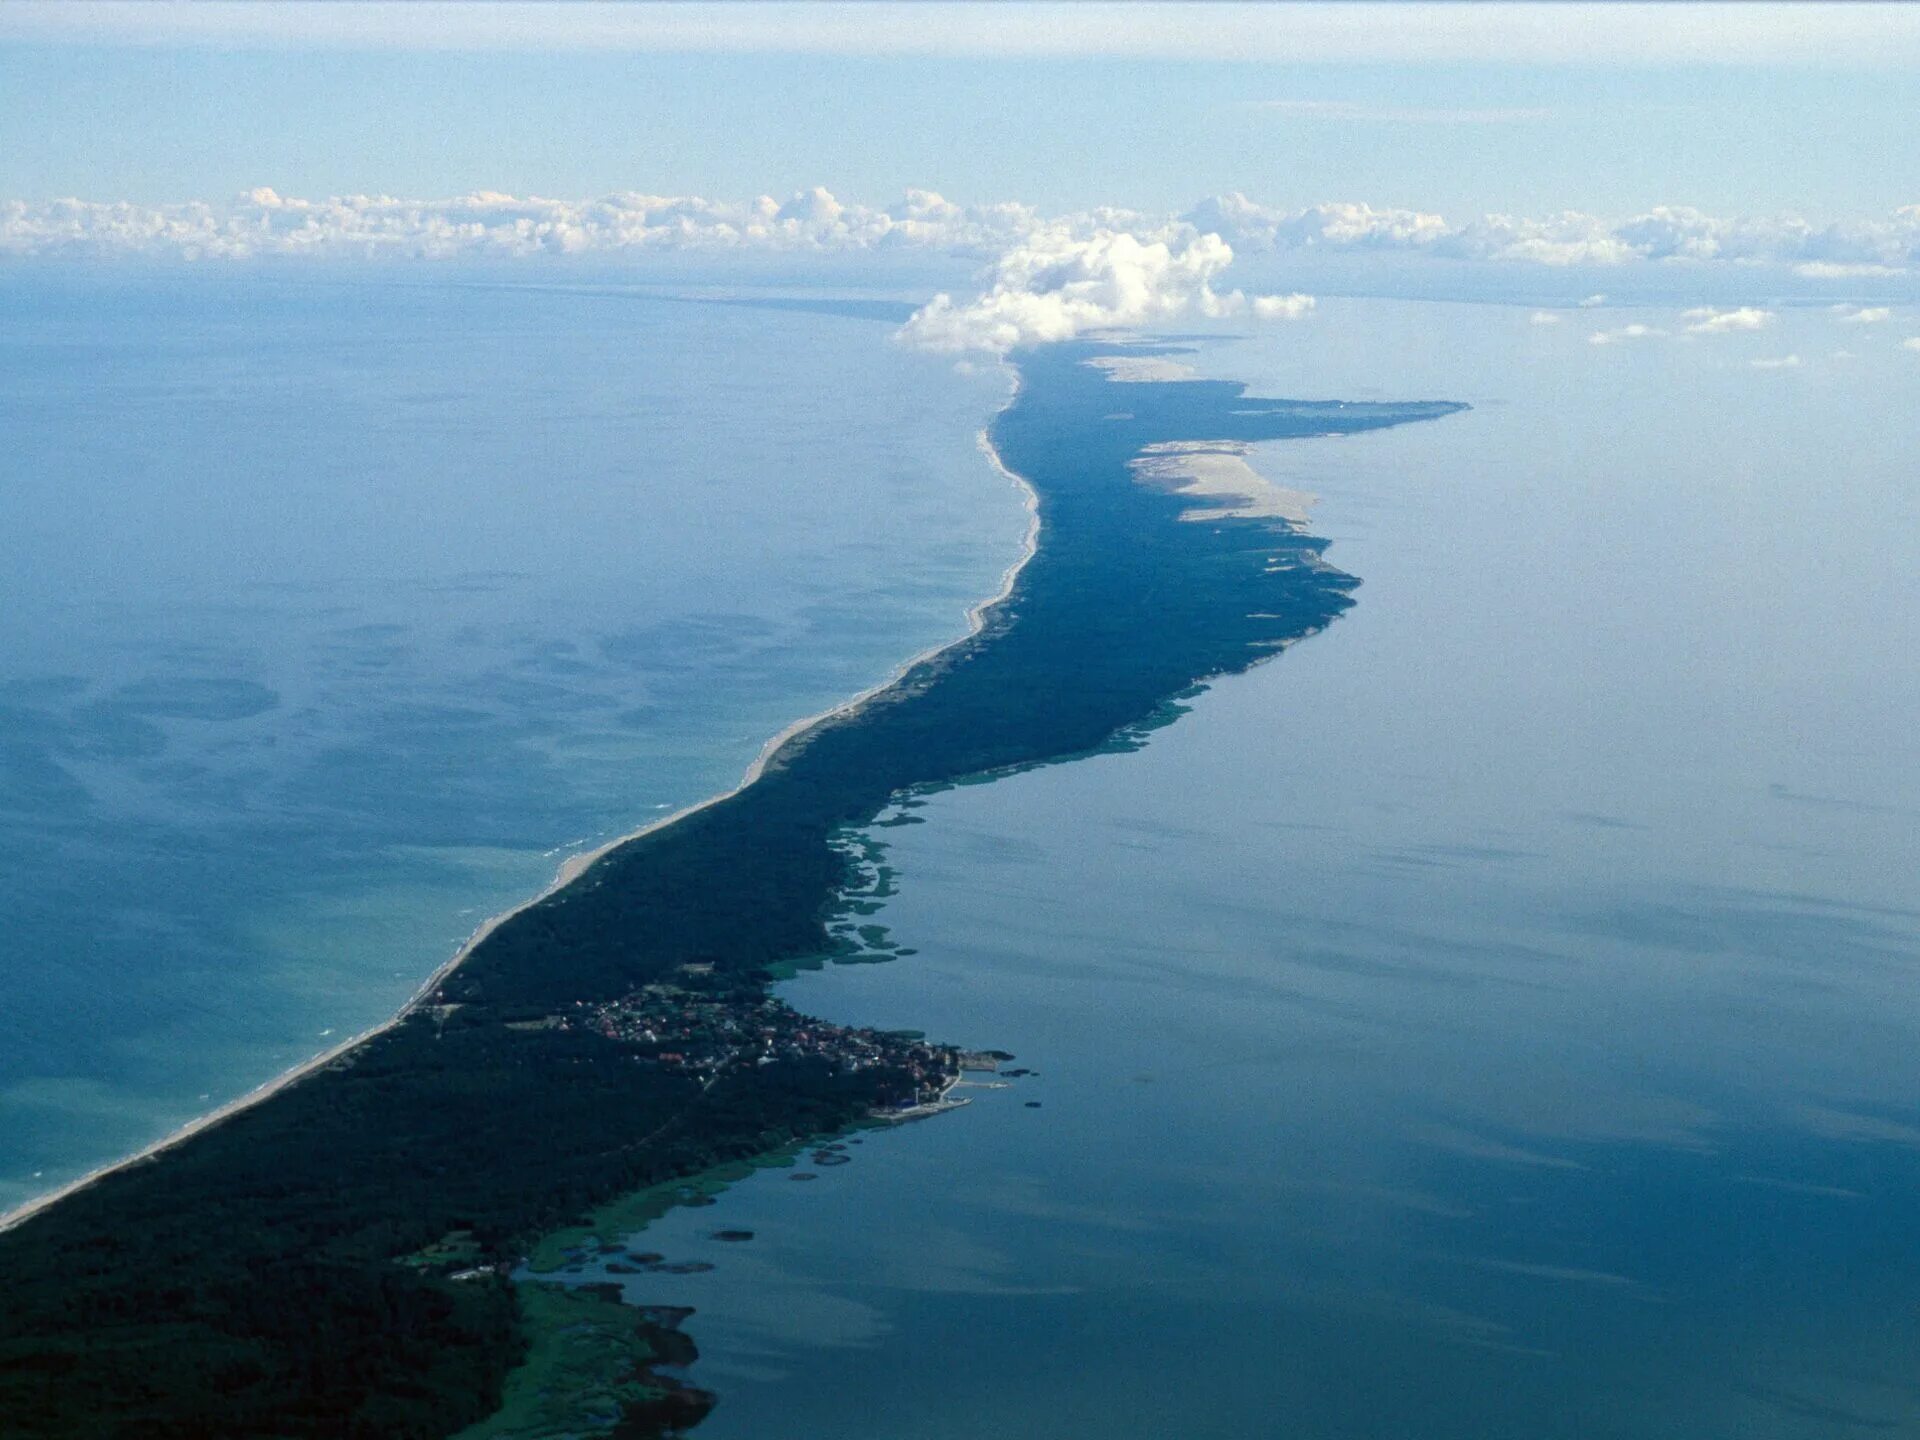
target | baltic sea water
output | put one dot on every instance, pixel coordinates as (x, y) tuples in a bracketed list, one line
[(337, 612)]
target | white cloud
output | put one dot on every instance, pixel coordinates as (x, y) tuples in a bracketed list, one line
[(1862, 314), (1834, 270), (1340, 226), (1708, 321), (1856, 36), (1056, 284), (1281, 307), (1784, 362), (1879, 247), (261, 222), (1543, 317), (484, 224), (1913, 344), (1593, 301), (1566, 239), (1635, 331), (1399, 114), (1569, 238)]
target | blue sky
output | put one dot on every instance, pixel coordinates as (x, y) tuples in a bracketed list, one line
[(135, 106)]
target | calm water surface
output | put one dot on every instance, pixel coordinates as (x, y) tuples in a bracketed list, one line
[(1496, 1018), (335, 614)]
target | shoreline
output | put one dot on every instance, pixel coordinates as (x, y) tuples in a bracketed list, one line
[(574, 866), (470, 1139)]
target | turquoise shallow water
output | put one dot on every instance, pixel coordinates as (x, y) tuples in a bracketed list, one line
[(336, 614), (1495, 1018)]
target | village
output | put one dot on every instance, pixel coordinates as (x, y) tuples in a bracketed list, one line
[(706, 1034)]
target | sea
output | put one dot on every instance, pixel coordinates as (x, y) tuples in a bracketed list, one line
[(338, 611), (1493, 1017)]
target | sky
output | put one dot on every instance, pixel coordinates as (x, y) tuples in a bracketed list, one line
[(1514, 109), (1083, 164)]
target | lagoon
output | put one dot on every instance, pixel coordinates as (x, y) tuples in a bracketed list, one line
[(1494, 1017)]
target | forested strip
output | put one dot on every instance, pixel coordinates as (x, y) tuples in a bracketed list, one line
[(247, 1282)]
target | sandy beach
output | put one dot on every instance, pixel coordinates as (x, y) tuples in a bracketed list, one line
[(569, 871), (1217, 472), (1141, 369)]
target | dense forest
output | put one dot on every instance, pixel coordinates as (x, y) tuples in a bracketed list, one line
[(249, 1281)]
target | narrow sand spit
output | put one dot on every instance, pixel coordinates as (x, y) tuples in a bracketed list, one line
[(1217, 473), (571, 870), (1139, 369)]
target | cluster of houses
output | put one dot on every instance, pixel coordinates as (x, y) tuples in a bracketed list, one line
[(703, 1034)]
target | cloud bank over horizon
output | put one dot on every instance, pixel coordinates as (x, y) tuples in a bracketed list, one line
[(262, 223), (1043, 277), (1884, 245)]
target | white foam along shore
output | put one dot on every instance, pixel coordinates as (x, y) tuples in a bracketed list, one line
[(571, 869)]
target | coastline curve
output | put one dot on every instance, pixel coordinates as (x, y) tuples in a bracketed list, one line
[(493, 1108), (569, 872)]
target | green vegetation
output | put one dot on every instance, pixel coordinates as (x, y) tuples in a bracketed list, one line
[(289, 1272), (625, 1214), (456, 1250)]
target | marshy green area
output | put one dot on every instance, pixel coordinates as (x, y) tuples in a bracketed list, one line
[(627, 1213), (588, 1368)]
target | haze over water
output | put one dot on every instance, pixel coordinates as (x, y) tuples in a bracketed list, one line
[(1495, 1017)]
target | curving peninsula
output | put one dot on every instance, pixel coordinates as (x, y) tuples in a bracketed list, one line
[(330, 1261)]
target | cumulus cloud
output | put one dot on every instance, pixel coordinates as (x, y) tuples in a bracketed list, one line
[(1543, 317), (1678, 234), (1343, 226), (1913, 344), (263, 222), (1708, 321), (1281, 307), (1593, 301), (1835, 270), (1784, 362), (1057, 284), (1635, 331), (1883, 37), (1862, 314), (1565, 239)]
